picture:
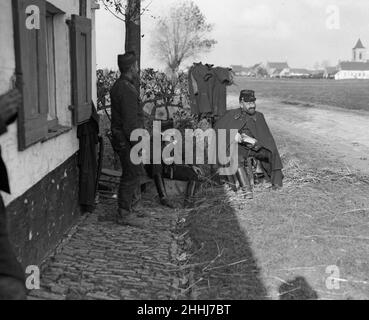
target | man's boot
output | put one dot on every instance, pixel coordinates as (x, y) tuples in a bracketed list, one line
[(137, 206), (232, 181), (129, 218), (245, 185), (190, 192), (162, 192)]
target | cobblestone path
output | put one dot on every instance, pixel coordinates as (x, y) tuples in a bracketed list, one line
[(102, 260)]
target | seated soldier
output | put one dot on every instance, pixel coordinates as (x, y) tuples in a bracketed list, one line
[(255, 140)]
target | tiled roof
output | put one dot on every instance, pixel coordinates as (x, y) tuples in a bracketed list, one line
[(300, 71), (277, 71), (238, 68), (278, 65), (354, 66)]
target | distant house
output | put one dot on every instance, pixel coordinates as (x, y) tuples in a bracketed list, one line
[(237, 69), (317, 74), (330, 72), (297, 73), (283, 73), (240, 70), (352, 70), (359, 52), (256, 70), (358, 68), (274, 69)]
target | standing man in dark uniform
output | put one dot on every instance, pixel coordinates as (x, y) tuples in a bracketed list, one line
[(254, 139), (12, 279), (127, 116)]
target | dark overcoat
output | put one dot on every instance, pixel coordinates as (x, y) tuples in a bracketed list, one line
[(258, 128), (9, 266), (127, 113), (88, 135), (127, 116)]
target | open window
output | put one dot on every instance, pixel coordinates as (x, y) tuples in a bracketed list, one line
[(31, 71), (35, 69)]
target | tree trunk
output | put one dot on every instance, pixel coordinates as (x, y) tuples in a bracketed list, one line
[(133, 28)]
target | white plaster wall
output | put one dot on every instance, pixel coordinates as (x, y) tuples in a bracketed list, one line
[(30, 166), (351, 75), (7, 58)]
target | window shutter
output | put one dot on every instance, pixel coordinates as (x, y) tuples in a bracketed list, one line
[(81, 50), (31, 70)]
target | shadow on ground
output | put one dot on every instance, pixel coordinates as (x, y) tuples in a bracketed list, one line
[(297, 289), (225, 266)]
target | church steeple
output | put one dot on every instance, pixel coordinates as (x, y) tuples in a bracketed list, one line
[(359, 45), (359, 52)]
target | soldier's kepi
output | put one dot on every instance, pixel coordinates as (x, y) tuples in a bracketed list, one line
[(127, 116), (254, 139)]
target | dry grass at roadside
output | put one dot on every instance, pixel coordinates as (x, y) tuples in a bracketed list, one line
[(280, 244)]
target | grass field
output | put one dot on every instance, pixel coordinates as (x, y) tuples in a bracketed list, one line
[(281, 244), (348, 94)]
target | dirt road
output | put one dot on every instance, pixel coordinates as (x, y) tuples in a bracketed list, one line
[(339, 136)]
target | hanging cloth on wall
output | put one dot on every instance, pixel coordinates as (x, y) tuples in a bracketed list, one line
[(88, 135)]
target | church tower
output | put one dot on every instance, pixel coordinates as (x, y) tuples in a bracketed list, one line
[(359, 52)]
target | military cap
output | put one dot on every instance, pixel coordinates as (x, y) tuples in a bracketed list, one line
[(247, 96), (127, 59)]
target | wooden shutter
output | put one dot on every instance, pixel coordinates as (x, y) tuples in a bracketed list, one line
[(31, 70), (81, 50)]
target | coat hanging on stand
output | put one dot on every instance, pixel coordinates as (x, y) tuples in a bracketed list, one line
[(208, 89)]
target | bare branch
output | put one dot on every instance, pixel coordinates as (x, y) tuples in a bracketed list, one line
[(113, 13), (182, 34)]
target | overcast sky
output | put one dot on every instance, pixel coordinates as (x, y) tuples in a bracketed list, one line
[(252, 31)]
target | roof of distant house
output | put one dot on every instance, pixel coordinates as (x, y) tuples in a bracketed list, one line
[(359, 45), (354, 66), (319, 71), (300, 71), (238, 68), (278, 65), (277, 71)]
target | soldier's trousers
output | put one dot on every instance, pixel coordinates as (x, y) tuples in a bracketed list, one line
[(264, 156), (176, 172), (129, 194)]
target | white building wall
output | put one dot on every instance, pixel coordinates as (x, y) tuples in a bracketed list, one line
[(352, 75), (28, 167)]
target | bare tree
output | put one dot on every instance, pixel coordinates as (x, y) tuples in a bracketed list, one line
[(317, 65), (181, 34), (129, 12), (325, 64)]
